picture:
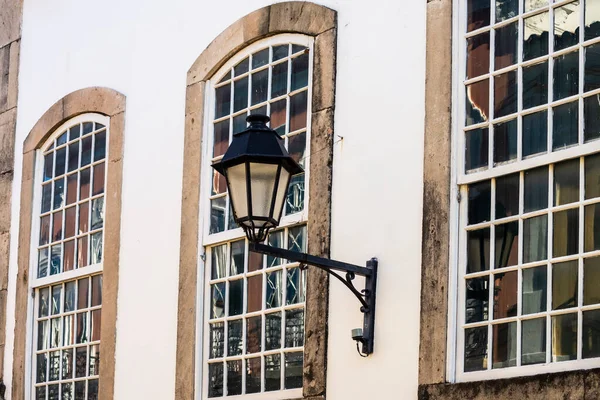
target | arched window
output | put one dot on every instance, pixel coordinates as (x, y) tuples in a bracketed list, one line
[(67, 247), (254, 305)]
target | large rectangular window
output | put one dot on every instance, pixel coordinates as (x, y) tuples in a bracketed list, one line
[(528, 100)]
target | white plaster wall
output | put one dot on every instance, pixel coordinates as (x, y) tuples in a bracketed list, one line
[(143, 50)]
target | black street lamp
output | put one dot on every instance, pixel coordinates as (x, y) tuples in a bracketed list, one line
[(258, 168)]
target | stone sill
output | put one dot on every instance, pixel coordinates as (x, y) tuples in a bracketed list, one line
[(576, 385)]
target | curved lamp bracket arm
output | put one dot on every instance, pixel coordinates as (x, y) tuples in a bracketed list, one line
[(365, 296)]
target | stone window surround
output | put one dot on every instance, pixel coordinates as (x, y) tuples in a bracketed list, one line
[(90, 100), (435, 268), (287, 17)]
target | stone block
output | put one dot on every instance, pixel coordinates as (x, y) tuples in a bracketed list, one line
[(94, 99), (324, 70), (10, 21), (194, 98), (303, 17), (4, 75), (13, 73), (8, 121)]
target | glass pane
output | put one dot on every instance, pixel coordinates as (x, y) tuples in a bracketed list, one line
[(535, 35), (278, 116), (293, 370), (566, 75), (591, 334), (69, 330), (297, 147), (274, 289), (46, 197), (478, 14), (219, 184), (238, 249), (592, 67), (234, 336), (259, 59), (255, 261), (217, 300), (476, 349), (273, 331), (478, 250), (476, 155), (40, 393), (566, 182), (215, 380), (507, 245), (222, 101), (60, 162), (477, 300), (48, 160), (98, 186), (82, 252), (86, 151), (506, 46), (591, 277), (96, 248), (592, 19), (253, 334), (44, 302), (70, 222), (272, 372), (505, 294), (299, 72), (294, 201), (535, 239), (80, 390), (478, 55), (217, 214), (97, 213), (56, 293), (254, 293), (479, 202), (279, 79), (67, 365), (54, 373), (275, 239), (592, 227), (43, 340), (81, 328), (57, 226), (566, 233), (564, 285), (93, 389), (294, 328), (221, 137), (41, 363), (84, 217), (592, 176), (506, 9), (95, 325), (280, 52), (74, 132), (42, 262), (535, 85), (260, 83), (565, 125), (507, 196), (99, 145), (84, 184), (296, 286), (297, 239), (505, 141), (59, 193), (298, 111), (564, 337), (55, 333), (478, 97), (216, 340), (218, 261), (69, 304), (71, 189), (73, 161), (240, 94), (253, 377), (535, 4), (80, 362), (236, 297), (533, 341), (536, 189), (88, 127), (241, 67), (534, 290), (234, 377), (566, 26), (239, 123), (55, 260), (504, 345), (591, 117)]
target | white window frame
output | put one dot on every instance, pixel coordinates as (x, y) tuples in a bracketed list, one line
[(208, 240), (34, 282), (460, 179)]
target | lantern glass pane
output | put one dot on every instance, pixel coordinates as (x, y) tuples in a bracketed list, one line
[(284, 181), (263, 178), (236, 178)]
